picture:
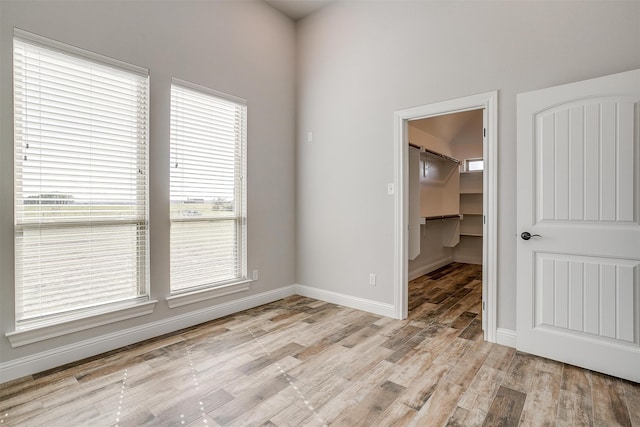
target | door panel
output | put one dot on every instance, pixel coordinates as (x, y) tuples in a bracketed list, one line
[(578, 188), (586, 156), (594, 296)]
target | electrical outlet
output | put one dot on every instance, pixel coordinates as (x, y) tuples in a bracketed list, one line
[(391, 189), (255, 274), (372, 279)]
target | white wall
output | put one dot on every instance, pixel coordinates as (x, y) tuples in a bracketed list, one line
[(243, 48), (432, 254), (359, 62)]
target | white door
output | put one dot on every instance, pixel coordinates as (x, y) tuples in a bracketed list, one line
[(578, 283)]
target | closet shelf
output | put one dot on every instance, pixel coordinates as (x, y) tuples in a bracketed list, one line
[(436, 168), (435, 153), (471, 234), (432, 218)]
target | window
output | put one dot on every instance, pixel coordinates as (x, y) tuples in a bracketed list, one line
[(473, 165), (208, 223), (81, 223)]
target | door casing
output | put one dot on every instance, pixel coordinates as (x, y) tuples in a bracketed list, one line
[(489, 102)]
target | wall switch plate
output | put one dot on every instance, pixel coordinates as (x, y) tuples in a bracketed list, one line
[(309, 136), (372, 279), (255, 274)]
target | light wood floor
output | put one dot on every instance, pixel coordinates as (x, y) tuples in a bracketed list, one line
[(299, 361)]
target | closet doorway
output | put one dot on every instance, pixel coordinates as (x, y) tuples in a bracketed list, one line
[(445, 211), (446, 215)]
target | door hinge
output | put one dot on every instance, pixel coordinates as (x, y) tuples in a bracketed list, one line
[(484, 219), (483, 306), (484, 132)]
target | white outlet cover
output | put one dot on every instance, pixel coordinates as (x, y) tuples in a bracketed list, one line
[(372, 279)]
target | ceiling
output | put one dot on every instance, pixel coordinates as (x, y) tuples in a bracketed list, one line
[(448, 126), (298, 9)]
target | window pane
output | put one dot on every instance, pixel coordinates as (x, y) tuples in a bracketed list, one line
[(475, 165)]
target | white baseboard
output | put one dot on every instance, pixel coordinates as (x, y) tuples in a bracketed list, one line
[(374, 307), (506, 337), (38, 362), (466, 259), (425, 269)]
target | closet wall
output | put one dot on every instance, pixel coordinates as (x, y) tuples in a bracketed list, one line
[(468, 145), (433, 192), (458, 136)]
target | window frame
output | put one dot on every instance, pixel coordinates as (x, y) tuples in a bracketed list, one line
[(241, 283), (34, 329), (467, 163)]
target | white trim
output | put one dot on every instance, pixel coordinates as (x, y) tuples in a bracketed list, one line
[(193, 86), (370, 306), (178, 300), (76, 51), (506, 337), (466, 259), (29, 336), (401, 212), (425, 269), (59, 356), (489, 102)]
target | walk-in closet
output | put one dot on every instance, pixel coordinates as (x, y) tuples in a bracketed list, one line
[(446, 214)]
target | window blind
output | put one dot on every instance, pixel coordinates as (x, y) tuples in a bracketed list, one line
[(80, 132), (208, 227)]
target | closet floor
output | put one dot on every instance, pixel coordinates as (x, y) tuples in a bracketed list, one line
[(300, 361), (451, 295)]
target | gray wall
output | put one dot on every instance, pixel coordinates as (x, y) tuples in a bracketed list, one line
[(358, 62), (242, 48)]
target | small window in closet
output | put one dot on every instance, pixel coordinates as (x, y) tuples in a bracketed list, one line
[(473, 165)]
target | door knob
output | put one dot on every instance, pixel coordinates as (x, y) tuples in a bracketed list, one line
[(526, 235)]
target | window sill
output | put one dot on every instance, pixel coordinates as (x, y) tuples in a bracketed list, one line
[(34, 334), (178, 300)]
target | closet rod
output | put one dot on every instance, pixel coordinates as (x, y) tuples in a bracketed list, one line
[(435, 153)]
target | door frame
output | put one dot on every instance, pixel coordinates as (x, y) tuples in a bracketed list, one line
[(489, 102)]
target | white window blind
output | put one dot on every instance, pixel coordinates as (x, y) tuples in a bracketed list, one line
[(80, 127), (208, 227)]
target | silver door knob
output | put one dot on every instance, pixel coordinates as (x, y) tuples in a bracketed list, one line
[(526, 235)]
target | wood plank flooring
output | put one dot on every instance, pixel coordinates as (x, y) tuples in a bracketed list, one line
[(300, 361)]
